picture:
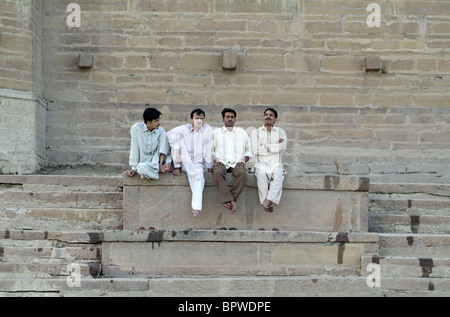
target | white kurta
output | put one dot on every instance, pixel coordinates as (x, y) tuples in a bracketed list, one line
[(195, 148), (231, 147), (269, 164)]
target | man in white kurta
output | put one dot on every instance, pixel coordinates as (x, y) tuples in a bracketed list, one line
[(231, 151), (191, 149), (269, 143)]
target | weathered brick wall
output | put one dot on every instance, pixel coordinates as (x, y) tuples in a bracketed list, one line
[(306, 57), (22, 109)]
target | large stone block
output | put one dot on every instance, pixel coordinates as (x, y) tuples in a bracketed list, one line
[(22, 126), (236, 253), (309, 203)]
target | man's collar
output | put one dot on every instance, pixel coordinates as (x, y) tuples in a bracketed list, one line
[(146, 129), (191, 128), (224, 129), (273, 127)]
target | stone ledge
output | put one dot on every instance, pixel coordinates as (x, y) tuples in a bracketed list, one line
[(96, 237), (241, 257), (92, 237), (237, 236), (410, 188), (305, 182), (228, 286), (63, 180), (309, 203)]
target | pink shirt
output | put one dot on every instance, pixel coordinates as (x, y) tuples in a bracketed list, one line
[(195, 148)]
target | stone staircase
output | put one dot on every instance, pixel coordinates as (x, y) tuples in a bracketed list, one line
[(413, 222), (66, 202), (410, 208), (32, 255), (57, 228)]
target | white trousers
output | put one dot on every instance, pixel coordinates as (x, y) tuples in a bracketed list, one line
[(197, 186), (270, 186), (147, 172)]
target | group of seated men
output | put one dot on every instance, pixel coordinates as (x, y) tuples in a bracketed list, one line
[(196, 146)]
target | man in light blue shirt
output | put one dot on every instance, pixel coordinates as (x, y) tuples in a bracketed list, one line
[(150, 149)]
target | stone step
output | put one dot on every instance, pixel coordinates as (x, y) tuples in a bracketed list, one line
[(409, 208), (68, 191), (409, 267), (63, 209), (236, 252), (103, 200), (223, 252), (49, 218), (273, 249), (55, 268), (415, 245), (43, 254), (230, 286), (92, 237), (63, 181), (404, 223), (8, 254), (410, 188), (412, 204), (61, 202)]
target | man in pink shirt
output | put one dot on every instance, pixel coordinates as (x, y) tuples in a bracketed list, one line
[(191, 152)]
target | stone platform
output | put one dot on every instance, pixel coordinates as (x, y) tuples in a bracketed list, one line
[(235, 253), (309, 203), (49, 222)]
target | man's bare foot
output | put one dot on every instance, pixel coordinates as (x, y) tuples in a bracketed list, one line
[(176, 171), (267, 205), (196, 213), (228, 205)]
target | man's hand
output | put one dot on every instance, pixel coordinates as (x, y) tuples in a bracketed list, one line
[(130, 173), (240, 165), (177, 158), (217, 164), (164, 168)]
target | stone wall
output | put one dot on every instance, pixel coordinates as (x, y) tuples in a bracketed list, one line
[(305, 57), (23, 114), (22, 130)]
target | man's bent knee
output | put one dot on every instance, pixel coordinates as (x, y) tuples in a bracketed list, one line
[(240, 171)]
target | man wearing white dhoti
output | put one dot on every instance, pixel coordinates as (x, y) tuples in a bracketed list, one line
[(191, 150), (268, 144)]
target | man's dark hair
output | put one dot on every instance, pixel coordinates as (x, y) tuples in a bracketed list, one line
[(273, 110), (225, 110), (151, 114), (197, 112)]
